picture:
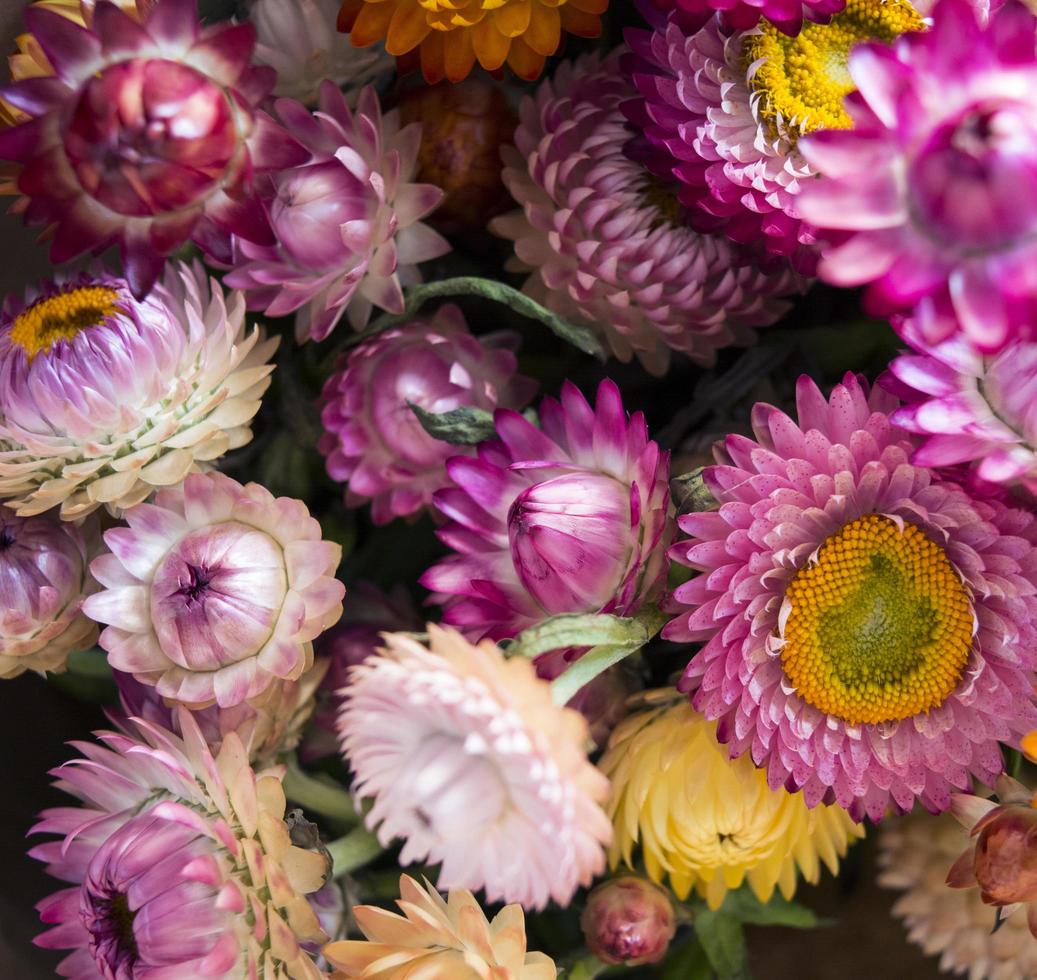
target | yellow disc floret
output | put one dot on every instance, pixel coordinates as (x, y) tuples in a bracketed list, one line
[(63, 316), (879, 627), (801, 81), (707, 822)]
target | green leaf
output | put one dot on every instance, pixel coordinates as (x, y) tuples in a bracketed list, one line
[(690, 493), (576, 630), (688, 962), (463, 426), (724, 943), (579, 336), (779, 911)]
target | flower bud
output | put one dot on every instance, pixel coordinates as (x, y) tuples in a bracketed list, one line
[(628, 920), (1005, 862), (463, 129)]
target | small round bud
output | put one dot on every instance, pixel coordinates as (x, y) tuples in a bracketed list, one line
[(628, 920), (1006, 857)]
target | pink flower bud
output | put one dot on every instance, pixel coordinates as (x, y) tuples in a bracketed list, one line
[(1005, 862), (628, 920)]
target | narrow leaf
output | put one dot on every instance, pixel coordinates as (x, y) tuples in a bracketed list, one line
[(463, 426), (724, 942), (690, 493)]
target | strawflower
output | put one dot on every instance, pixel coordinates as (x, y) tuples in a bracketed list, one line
[(466, 758), (374, 443), (179, 861), (628, 920), (709, 823), (44, 578), (786, 15), (299, 39), (869, 628), (104, 398), (608, 245), (214, 592), (104, 152), (450, 36), (570, 518), (723, 112), (929, 198), (954, 924), (439, 940), (346, 221)]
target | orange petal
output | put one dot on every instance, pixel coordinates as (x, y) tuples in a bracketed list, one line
[(433, 62), (524, 61), (579, 23), (371, 23), (407, 29), (459, 54), (491, 47), (513, 19), (1029, 746), (545, 30)]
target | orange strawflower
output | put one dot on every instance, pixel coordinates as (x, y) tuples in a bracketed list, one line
[(451, 35)]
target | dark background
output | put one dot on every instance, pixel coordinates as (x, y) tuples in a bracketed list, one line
[(36, 719)]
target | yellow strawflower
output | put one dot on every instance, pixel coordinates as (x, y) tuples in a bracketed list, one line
[(709, 822)]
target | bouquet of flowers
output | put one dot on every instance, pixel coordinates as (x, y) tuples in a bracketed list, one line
[(568, 471)]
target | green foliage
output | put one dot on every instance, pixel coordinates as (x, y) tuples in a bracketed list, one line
[(744, 906), (461, 427), (723, 941)]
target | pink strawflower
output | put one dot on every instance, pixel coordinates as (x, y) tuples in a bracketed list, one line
[(214, 592), (573, 518), (347, 221), (786, 15), (869, 629), (470, 762), (146, 135), (974, 409), (930, 198), (103, 397), (180, 863), (374, 442), (44, 577), (608, 245)]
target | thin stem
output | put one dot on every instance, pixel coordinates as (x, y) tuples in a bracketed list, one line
[(358, 848), (316, 796)]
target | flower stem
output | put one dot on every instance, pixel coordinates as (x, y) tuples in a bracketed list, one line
[(357, 848), (316, 796)]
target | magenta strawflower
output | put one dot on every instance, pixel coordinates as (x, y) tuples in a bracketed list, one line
[(180, 863), (722, 111), (786, 15), (44, 578), (870, 631), (214, 592), (148, 134), (347, 221), (103, 397), (571, 519), (974, 409), (606, 244), (374, 443), (930, 198)]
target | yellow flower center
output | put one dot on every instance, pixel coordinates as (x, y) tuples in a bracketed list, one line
[(63, 316), (801, 81), (879, 627)]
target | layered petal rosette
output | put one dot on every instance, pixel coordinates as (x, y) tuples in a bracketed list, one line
[(608, 245), (723, 111), (571, 518), (179, 862), (971, 408), (103, 397), (374, 442), (437, 938), (708, 823), (448, 37), (347, 221), (930, 197), (44, 578), (466, 757), (869, 628), (299, 39), (786, 15), (146, 135), (214, 592)]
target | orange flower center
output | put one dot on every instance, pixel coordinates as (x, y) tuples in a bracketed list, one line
[(879, 627)]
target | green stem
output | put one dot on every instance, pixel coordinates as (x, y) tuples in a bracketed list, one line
[(357, 848), (316, 796), (587, 967)]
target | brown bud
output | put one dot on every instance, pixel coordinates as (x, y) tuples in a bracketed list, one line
[(1006, 856), (628, 920)]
